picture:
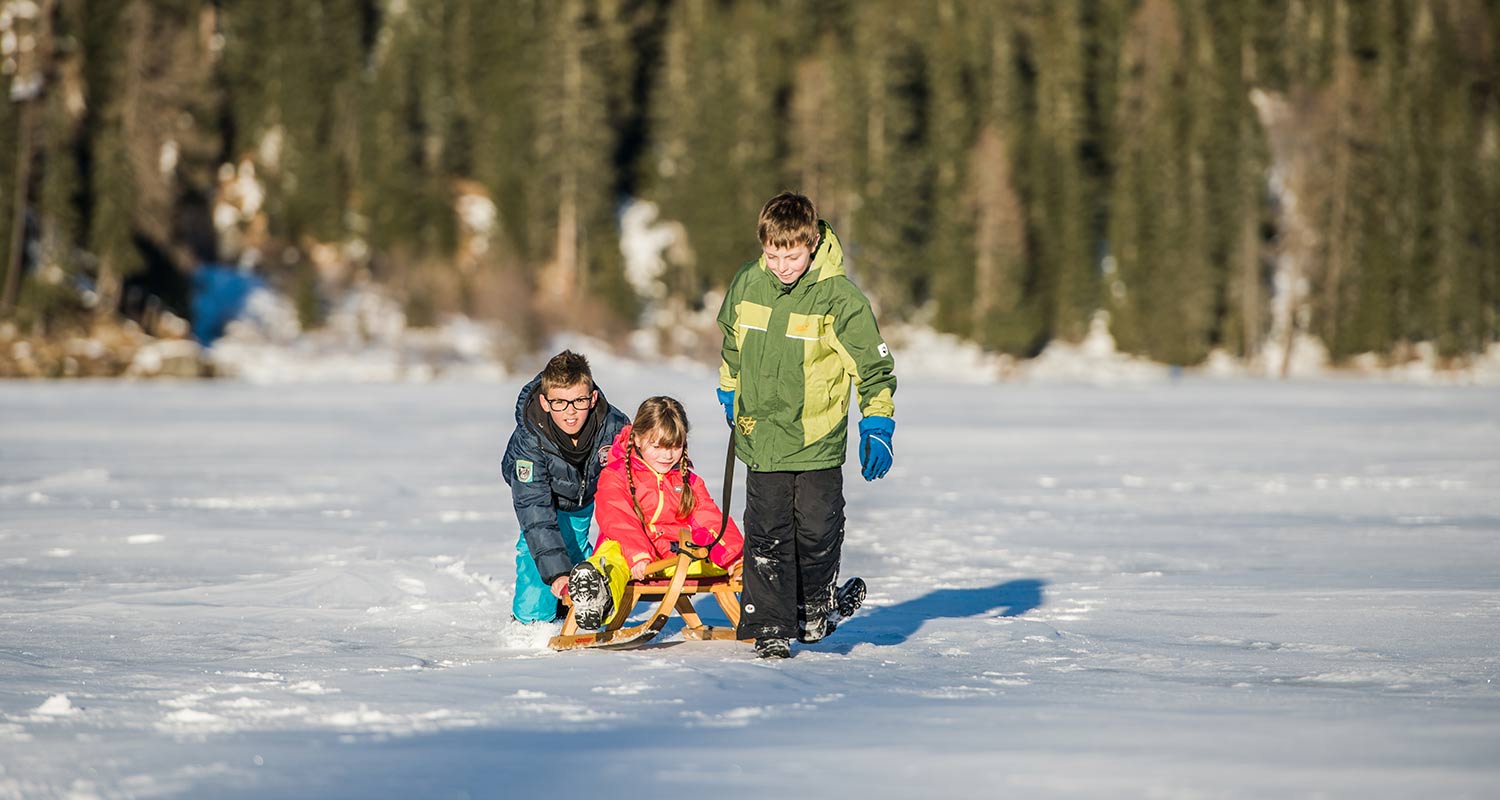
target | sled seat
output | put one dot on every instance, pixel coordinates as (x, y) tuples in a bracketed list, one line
[(670, 594)]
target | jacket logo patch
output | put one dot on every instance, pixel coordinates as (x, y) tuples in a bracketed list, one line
[(603, 455), (885, 352), (747, 425), (804, 328), (524, 471)]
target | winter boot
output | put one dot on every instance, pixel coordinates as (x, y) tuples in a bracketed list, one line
[(849, 597), (846, 600), (773, 647), (589, 591)]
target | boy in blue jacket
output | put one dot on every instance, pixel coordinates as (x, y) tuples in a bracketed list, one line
[(564, 428)]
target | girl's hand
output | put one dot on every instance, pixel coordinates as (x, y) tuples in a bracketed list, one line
[(560, 586), (638, 570)]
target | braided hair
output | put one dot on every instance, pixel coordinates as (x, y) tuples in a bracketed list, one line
[(662, 421)]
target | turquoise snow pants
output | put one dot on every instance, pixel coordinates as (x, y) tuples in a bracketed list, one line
[(534, 600)]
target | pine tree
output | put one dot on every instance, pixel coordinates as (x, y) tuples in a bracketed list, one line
[(587, 71), (1152, 225), (505, 45), (1236, 154), (1489, 240), (1001, 313), (950, 257), (318, 111), (11, 221), (402, 193), (1380, 226), (717, 132), (1461, 214), (1425, 277), (9, 214), (113, 183), (1056, 182), (1194, 284), (57, 204), (43, 132), (1346, 120), (896, 219)]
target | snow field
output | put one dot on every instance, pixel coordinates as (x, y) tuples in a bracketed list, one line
[(1192, 589)]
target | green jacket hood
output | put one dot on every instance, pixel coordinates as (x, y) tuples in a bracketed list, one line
[(827, 261)]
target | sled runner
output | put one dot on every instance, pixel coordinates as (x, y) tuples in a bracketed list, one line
[(672, 594)]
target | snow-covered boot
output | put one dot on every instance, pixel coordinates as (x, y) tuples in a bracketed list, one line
[(773, 647), (816, 627), (589, 591)]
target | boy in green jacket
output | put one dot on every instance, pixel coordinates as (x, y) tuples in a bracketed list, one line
[(797, 334)]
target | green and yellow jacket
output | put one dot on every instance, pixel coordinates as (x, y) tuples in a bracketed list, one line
[(790, 355)]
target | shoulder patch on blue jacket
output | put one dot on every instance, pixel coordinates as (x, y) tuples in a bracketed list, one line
[(524, 471)]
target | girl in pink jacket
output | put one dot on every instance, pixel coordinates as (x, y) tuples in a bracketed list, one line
[(648, 494)]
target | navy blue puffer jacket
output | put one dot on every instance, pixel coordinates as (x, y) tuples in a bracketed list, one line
[(542, 482)]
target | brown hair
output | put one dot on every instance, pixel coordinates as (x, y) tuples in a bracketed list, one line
[(661, 421), (787, 220), (566, 369)]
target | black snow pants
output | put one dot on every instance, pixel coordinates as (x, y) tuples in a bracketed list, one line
[(794, 534)]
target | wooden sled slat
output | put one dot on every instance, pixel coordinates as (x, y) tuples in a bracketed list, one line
[(622, 639)]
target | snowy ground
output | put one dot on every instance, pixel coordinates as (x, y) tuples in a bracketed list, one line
[(1195, 589)]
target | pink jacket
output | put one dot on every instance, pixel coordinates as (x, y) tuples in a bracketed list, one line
[(658, 496)]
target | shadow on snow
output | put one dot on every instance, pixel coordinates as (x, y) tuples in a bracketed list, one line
[(891, 625)]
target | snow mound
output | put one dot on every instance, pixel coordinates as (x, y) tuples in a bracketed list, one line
[(1095, 360), (365, 339), (58, 705), (176, 358), (923, 352)]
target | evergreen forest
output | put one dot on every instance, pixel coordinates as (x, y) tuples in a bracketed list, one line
[(1205, 175)]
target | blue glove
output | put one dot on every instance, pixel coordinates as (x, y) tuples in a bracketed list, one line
[(875, 451), (726, 399)]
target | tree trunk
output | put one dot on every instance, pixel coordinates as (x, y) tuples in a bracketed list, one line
[(18, 223), (37, 69)]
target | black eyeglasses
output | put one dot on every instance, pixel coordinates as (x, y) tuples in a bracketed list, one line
[(580, 403)]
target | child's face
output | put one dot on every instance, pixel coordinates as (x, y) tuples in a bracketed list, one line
[(660, 457), (563, 405), (787, 263)]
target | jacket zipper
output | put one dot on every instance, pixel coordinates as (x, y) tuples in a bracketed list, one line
[(660, 500), (545, 444)]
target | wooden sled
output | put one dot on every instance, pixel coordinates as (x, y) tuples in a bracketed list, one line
[(672, 594)]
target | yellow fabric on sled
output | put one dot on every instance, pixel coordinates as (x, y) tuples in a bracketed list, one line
[(610, 561)]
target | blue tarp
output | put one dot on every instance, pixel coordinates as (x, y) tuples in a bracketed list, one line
[(219, 296)]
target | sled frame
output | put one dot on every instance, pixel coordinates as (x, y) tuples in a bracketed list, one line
[(672, 594)]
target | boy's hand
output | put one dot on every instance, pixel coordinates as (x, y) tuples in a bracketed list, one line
[(726, 399), (875, 452), (638, 570), (560, 586)]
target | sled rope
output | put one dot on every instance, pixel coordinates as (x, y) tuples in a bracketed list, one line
[(728, 493)]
